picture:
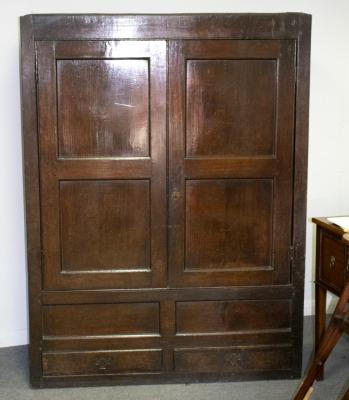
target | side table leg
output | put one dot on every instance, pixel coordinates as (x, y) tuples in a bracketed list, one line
[(320, 321), (346, 395)]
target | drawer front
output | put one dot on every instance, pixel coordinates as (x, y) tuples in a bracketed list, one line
[(332, 262), (228, 360), (102, 363), (86, 320), (222, 317)]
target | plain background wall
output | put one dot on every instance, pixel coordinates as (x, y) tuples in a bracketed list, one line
[(328, 189)]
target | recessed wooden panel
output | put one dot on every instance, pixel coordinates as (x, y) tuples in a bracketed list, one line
[(228, 223), (103, 108), (101, 319), (228, 360), (194, 317), (105, 225), (231, 107), (101, 362)]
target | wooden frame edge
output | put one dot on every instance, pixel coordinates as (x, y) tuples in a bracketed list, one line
[(300, 182), (32, 194)]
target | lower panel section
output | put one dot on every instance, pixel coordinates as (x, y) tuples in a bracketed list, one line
[(81, 320), (149, 378), (188, 335), (141, 366), (101, 362), (224, 317)]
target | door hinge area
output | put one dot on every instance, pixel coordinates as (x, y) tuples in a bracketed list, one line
[(42, 259), (291, 253)]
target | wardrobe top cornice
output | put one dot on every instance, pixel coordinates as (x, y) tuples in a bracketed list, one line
[(167, 26)]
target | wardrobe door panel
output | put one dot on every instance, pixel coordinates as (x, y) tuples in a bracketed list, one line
[(102, 129), (106, 219), (221, 95), (103, 108), (231, 161), (218, 211)]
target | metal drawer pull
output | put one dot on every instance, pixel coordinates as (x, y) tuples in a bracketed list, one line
[(332, 261), (347, 268), (103, 363)]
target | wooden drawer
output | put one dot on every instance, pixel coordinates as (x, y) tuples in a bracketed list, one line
[(332, 262), (101, 362), (230, 360)]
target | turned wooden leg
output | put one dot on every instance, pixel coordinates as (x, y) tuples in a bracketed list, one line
[(320, 322), (329, 340), (346, 395), (309, 392)]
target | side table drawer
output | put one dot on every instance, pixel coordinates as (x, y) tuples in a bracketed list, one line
[(332, 262)]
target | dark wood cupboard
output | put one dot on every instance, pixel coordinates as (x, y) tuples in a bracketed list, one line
[(165, 168)]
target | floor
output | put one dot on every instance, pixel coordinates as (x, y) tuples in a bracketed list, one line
[(14, 382)]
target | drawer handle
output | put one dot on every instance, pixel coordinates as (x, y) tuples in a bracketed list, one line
[(332, 261), (103, 363), (233, 359), (347, 268)]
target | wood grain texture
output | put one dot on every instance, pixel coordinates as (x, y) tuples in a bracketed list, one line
[(102, 363), (221, 96), (106, 219), (101, 319), (225, 361), (103, 108), (228, 224), (217, 317)]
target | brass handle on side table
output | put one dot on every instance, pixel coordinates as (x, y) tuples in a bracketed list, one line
[(332, 261), (347, 267)]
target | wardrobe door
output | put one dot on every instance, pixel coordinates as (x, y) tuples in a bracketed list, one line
[(231, 123), (102, 128)]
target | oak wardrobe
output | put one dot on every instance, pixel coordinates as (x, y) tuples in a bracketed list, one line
[(165, 163)]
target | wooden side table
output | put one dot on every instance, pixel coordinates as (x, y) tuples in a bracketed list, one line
[(332, 270)]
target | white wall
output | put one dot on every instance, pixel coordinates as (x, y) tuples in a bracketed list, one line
[(328, 192)]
